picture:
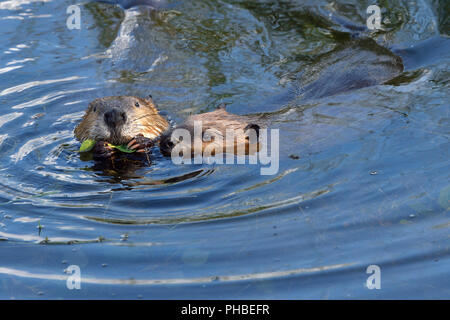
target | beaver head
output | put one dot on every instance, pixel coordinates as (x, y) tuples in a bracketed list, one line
[(119, 119), (212, 134)]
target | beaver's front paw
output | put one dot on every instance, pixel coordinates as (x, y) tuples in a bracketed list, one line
[(102, 150), (140, 144)]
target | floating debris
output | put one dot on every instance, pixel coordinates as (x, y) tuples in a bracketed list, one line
[(39, 227)]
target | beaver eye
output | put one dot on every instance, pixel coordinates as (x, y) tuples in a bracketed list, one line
[(137, 104), (206, 136)]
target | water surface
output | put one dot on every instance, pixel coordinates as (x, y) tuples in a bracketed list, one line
[(363, 177)]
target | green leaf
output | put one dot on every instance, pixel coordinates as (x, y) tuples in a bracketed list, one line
[(122, 148), (87, 145)]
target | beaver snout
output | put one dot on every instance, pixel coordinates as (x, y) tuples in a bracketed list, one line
[(115, 118)]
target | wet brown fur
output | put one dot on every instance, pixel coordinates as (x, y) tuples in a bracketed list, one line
[(145, 120), (214, 127)]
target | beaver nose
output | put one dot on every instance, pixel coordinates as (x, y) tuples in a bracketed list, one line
[(115, 118)]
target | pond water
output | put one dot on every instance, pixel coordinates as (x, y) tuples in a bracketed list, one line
[(363, 174)]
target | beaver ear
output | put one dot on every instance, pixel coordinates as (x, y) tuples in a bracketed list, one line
[(252, 126), (92, 107), (222, 106), (149, 98)]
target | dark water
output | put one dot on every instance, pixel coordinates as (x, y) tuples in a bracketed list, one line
[(363, 176)]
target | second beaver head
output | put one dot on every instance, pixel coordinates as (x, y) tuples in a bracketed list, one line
[(219, 132), (119, 119)]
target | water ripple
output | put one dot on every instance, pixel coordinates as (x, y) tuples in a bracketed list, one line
[(28, 85), (40, 142), (149, 282), (49, 98)]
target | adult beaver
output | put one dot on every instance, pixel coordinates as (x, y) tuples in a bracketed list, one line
[(136, 124), (121, 120)]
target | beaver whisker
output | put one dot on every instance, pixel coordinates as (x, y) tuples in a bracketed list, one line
[(144, 116)]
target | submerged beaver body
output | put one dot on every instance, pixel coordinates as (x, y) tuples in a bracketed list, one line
[(136, 123)]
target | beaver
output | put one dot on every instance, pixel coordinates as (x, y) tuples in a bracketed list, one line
[(137, 123), (120, 120), (212, 133)]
